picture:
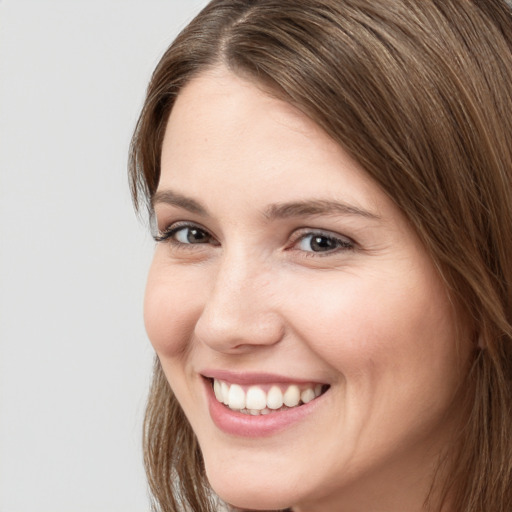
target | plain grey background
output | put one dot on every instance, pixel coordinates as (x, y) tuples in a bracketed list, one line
[(75, 363)]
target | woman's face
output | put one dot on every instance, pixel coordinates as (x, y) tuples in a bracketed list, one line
[(284, 274)]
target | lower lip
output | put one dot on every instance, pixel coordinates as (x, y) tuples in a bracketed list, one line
[(246, 425)]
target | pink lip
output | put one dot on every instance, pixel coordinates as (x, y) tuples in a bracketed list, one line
[(244, 425), (249, 378)]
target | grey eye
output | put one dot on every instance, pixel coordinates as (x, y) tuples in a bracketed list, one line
[(192, 235), (318, 242)]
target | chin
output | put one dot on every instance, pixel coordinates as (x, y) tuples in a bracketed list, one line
[(256, 494)]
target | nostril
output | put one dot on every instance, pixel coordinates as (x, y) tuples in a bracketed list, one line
[(232, 331)]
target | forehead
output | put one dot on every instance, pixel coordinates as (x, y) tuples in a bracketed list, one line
[(226, 131), (218, 97)]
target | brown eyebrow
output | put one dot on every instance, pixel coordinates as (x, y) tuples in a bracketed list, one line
[(308, 208), (176, 199), (311, 208)]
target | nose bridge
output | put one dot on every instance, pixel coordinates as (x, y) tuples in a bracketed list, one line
[(239, 310)]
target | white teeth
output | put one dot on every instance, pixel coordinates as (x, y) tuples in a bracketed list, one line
[(291, 396), (307, 395), (255, 401), (256, 398), (217, 389), (236, 397), (225, 393), (274, 398)]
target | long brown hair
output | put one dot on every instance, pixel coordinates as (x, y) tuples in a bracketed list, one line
[(419, 92)]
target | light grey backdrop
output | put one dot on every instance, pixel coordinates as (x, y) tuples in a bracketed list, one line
[(74, 360)]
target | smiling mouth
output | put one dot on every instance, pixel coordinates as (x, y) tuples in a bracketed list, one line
[(265, 399)]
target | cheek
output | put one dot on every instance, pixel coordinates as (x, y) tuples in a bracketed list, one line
[(395, 354), (370, 329), (170, 310)]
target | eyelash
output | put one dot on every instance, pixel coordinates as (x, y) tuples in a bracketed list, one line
[(340, 243), (168, 233)]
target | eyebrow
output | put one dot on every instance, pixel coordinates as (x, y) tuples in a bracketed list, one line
[(310, 208), (179, 200), (307, 208)]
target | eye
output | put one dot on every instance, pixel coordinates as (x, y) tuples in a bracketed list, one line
[(185, 234), (191, 235), (323, 243)]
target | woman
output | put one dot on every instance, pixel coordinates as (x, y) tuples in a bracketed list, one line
[(330, 298)]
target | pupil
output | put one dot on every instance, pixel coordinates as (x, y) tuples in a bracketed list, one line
[(196, 235), (322, 243)]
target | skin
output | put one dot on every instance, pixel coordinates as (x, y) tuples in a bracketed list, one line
[(370, 316)]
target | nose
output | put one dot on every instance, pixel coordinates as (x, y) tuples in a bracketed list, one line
[(240, 312)]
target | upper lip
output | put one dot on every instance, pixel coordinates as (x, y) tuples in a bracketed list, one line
[(250, 378)]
